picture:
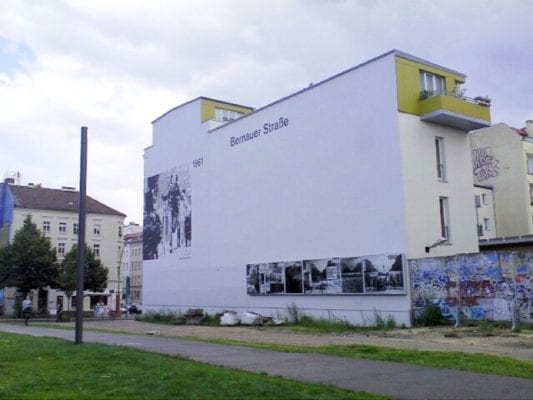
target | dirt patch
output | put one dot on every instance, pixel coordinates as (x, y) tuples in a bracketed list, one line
[(470, 340)]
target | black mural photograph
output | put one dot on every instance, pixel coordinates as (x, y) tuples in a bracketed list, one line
[(352, 275), (322, 276), (167, 219), (293, 277), (376, 274)]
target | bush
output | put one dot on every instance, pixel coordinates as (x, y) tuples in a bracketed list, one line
[(162, 317), (432, 315)]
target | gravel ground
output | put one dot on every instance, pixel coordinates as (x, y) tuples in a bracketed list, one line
[(467, 339)]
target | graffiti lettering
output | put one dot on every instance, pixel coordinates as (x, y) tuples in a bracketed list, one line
[(478, 286), (485, 165)]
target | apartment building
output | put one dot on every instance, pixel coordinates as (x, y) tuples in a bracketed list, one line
[(55, 212), (315, 200), (485, 216), (132, 267), (502, 158)]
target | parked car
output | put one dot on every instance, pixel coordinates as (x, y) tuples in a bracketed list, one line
[(134, 308)]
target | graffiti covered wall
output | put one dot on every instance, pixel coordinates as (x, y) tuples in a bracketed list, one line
[(476, 286)]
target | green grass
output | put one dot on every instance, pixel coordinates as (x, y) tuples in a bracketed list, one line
[(46, 368), (477, 362)]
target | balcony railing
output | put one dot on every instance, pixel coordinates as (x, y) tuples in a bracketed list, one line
[(454, 110), (481, 100)]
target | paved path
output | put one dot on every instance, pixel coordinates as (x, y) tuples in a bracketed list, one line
[(400, 381)]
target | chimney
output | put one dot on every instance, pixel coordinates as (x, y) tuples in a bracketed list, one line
[(529, 127)]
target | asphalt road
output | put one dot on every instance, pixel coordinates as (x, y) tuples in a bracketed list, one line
[(400, 381)]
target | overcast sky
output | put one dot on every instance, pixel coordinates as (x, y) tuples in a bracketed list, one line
[(115, 66)]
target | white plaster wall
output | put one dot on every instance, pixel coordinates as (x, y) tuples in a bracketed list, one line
[(423, 189), (327, 185), (510, 181), (486, 210)]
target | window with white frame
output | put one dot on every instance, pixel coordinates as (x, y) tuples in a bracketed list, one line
[(441, 162), (486, 224), (484, 199), (75, 228), (444, 218), (431, 83), (96, 229), (62, 227), (96, 248), (530, 163), (61, 249), (222, 114), (46, 226)]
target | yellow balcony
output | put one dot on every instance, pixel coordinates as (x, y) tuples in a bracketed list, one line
[(454, 111)]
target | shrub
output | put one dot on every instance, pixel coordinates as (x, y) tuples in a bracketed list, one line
[(432, 315), (162, 317)]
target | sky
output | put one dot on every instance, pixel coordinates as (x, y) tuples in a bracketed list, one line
[(115, 66)]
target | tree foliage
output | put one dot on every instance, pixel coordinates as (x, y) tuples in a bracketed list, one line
[(29, 261), (95, 273)]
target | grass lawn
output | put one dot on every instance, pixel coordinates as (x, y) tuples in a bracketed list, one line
[(477, 362), (474, 362), (46, 368)]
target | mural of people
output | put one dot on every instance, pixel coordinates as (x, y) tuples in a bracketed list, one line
[(168, 213)]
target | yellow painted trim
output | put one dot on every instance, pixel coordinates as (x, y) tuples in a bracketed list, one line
[(456, 105), (408, 83), (209, 106)]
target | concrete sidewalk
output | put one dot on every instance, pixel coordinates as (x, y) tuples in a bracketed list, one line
[(400, 381)]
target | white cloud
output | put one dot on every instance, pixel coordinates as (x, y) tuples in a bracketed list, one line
[(114, 66)]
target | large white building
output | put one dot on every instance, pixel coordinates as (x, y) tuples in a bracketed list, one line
[(315, 200), (55, 212)]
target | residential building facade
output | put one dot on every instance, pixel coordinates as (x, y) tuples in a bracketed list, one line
[(132, 267), (316, 200), (502, 158), (485, 217), (55, 212)]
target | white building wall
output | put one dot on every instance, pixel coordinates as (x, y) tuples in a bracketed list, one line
[(328, 184), (486, 219), (423, 188), (499, 160)]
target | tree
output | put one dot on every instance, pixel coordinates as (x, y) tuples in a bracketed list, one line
[(95, 273), (29, 261)]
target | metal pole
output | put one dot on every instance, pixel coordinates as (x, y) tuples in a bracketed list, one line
[(81, 237)]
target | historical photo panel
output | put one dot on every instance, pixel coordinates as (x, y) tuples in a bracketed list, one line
[(375, 274), (322, 276), (167, 225)]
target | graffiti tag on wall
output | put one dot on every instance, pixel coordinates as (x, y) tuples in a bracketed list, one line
[(485, 165), (477, 286)]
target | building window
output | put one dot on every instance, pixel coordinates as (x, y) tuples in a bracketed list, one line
[(222, 114), (444, 218), (46, 226), (119, 231), (531, 193), (61, 249), (530, 163), (441, 162), (96, 229), (62, 227), (96, 248), (75, 228), (484, 199), (486, 224), (431, 84)]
